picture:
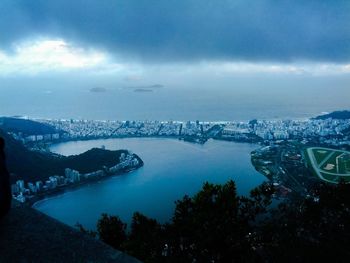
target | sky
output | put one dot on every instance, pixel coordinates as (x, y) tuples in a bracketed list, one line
[(145, 44)]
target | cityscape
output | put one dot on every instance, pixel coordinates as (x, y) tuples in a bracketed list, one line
[(327, 132)]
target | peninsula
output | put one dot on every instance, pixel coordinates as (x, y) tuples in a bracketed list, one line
[(43, 173)]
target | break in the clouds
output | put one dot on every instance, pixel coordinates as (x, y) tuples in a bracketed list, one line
[(46, 55), (188, 30)]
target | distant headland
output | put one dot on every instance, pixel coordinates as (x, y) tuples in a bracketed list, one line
[(336, 115)]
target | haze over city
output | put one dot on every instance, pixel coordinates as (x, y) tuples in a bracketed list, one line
[(209, 60)]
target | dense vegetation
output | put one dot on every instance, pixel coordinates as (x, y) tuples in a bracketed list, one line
[(217, 225), (27, 127), (336, 115), (32, 166)]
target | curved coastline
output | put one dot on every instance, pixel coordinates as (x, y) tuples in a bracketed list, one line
[(74, 187), (172, 169)]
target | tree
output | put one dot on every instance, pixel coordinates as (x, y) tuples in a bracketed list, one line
[(217, 225), (111, 230), (316, 228), (209, 226), (145, 240)]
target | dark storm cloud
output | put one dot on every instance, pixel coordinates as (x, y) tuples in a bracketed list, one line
[(172, 30)]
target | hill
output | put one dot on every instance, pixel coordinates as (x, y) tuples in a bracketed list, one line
[(336, 115), (27, 127), (32, 166), (93, 160)]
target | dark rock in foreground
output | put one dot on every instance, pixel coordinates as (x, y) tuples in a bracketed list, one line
[(27, 235)]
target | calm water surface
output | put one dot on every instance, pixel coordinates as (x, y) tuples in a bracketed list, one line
[(172, 169)]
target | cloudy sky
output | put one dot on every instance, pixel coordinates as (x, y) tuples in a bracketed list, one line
[(112, 34), (139, 43)]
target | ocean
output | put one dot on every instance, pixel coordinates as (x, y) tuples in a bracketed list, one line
[(294, 100)]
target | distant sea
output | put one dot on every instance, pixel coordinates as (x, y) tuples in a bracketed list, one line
[(171, 103)]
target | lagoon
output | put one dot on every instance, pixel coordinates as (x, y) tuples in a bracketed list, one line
[(172, 169)]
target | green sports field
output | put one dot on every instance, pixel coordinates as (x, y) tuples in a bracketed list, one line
[(328, 164)]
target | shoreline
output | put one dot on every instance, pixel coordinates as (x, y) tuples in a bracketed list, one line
[(71, 187), (191, 139), (159, 179)]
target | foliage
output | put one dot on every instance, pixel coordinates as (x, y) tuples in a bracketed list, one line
[(217, 225), (27, 127), (145, 238), (336, 115), (111, 230), (313, 229), (209, 225), (212, 225)]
